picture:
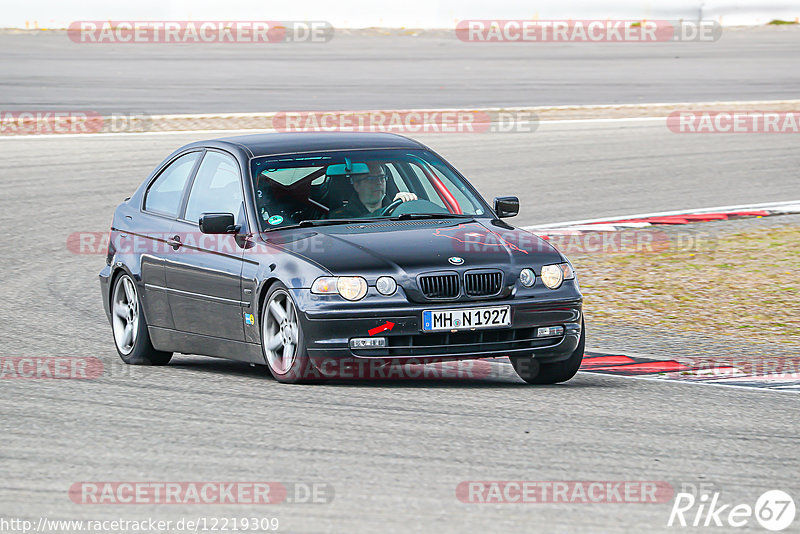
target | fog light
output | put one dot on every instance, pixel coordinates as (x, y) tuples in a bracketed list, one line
[(386, 285), (527, 277), (550, 331), (367, 342)]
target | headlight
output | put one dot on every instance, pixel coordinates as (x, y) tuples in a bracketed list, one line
[(352, 287), (349, 287), (552, 276), (527, 277), (386, 285)]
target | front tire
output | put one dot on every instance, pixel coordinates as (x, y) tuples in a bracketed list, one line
[(534, 372), (282, 340), (130, 328)]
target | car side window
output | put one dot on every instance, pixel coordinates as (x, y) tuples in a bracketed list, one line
[(165, 194), (456, 191), (430, 192), (216, 188), (394, 175), (451, 186)]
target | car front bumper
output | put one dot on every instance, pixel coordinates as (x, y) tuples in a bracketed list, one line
[(328, 332), (105, 281)]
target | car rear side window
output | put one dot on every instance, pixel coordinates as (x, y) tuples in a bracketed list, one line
[(216, 189), (165, 194)]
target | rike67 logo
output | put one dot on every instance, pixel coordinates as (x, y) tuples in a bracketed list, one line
[(774, 510)]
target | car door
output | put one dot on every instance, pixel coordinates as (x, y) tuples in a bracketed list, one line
[(150, 230), (204, 274)]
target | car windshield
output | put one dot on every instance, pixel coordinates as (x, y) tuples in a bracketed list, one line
[(322, 188)]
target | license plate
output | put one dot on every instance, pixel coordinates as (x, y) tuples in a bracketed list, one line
[(466, 318)]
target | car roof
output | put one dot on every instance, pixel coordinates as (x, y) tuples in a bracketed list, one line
[(269, 144)]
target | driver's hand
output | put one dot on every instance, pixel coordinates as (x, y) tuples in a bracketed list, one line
[(405, 196)]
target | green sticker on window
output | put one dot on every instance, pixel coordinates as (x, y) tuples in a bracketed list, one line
[(275, 219)]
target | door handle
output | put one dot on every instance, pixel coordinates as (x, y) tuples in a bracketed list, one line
[(174, 242)]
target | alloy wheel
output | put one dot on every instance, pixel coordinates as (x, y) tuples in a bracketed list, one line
[(280, 332), (125, 314)]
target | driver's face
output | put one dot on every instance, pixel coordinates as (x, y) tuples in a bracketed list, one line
[(371, 188)]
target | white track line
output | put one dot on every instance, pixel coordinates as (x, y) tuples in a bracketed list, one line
[(611, 119), (692, 382), (782, 389), (790, 205), (569, 107)]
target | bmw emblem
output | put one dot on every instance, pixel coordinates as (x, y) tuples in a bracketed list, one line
[(455, 260)]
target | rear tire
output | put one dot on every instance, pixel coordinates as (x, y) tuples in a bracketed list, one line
[(282, 342), (534, 372), (130, 328)]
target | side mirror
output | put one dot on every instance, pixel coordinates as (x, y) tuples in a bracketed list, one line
[(218, 223), (506, 206)]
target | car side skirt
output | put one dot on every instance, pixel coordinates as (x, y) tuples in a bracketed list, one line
[(187, 343)]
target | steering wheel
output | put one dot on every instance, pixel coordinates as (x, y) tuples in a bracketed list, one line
[(391, 207), (412, 206)]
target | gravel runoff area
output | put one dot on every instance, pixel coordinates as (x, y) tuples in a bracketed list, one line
[(717, 289), (405, 121)]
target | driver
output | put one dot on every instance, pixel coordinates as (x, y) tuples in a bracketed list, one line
[(370, 197)]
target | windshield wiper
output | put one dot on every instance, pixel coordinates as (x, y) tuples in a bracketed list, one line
[(406, 216), (367, 220), (325, 222)]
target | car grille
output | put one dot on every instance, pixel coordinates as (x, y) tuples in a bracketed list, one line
[(483, 284), (439, 286), (443, 344), (447, 285)]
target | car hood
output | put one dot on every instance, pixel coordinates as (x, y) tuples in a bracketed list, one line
[(407, 248)]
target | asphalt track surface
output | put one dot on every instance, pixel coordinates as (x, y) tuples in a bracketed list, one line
[(394, 451), (370, 70)]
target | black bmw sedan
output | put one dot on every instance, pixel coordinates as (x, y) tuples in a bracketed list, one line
[(310, 252)]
